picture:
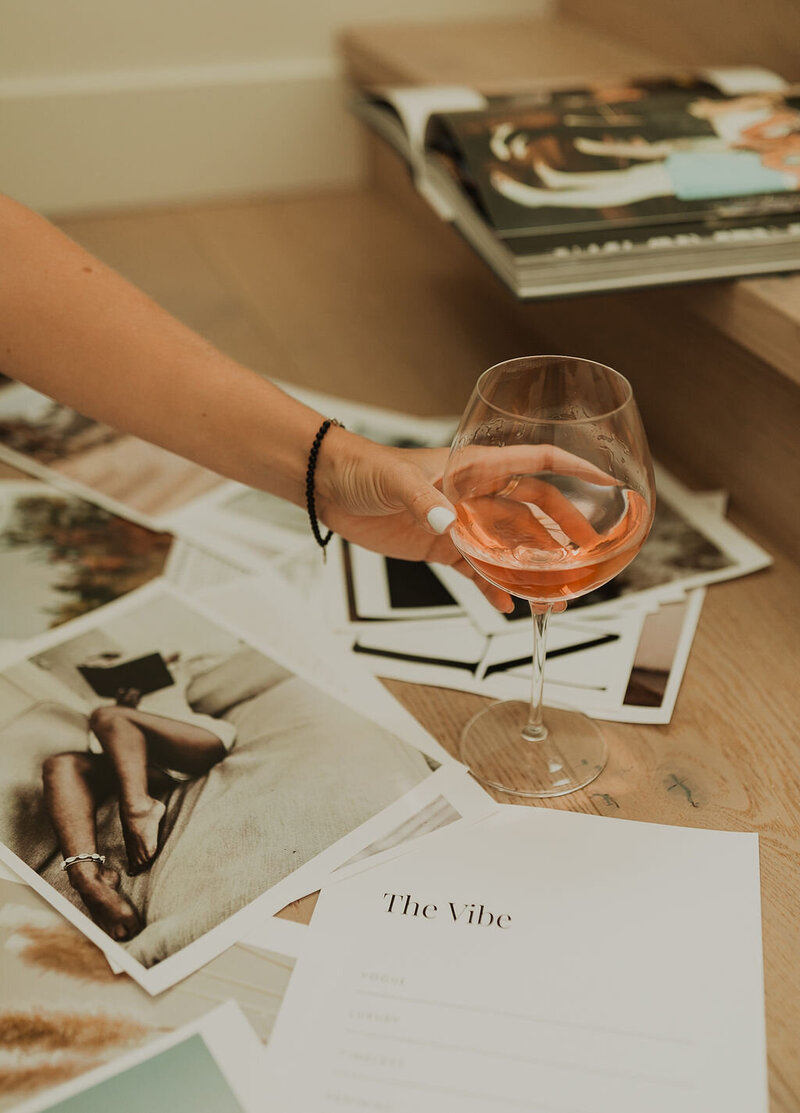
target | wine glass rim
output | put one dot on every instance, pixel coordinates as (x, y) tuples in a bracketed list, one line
[(554, 420)]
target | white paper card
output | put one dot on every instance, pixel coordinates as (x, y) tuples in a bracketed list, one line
[(538, 960)]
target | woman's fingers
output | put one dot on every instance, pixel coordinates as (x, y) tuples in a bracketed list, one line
[(574, 524), (512, 474), (506, 524), (485, 469), (508, 518)]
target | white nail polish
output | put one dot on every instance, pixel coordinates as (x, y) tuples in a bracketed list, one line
[(440, 518)]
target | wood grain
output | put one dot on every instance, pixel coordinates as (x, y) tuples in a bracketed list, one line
[(761, 314), (702, 32), (491, 55), (350, 287)]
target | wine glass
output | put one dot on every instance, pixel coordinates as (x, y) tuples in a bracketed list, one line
[(551, 478)]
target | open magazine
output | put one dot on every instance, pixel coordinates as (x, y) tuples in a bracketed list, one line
[(640, 183)]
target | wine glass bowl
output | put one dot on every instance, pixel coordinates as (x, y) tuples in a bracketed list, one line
[(552, 482)]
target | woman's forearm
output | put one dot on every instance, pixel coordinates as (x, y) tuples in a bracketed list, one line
[(73, 329), (76, 331)]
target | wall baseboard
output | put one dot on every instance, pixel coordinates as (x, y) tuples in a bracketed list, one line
[(81, 143)]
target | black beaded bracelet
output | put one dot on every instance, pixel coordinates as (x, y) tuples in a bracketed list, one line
[(311, 505)]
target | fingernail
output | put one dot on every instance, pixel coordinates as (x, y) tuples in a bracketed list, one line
[(440, 518)]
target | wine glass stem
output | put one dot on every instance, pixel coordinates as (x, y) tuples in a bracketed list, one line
[(535, 730)]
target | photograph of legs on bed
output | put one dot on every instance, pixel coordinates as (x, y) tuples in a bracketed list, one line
[(161, 774)]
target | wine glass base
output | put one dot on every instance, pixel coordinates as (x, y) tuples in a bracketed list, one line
[(572, 754)]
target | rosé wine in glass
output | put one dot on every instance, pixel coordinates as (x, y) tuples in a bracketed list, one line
[(552, 482), (529, 555)]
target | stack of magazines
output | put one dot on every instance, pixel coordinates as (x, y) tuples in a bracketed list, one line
[(641, 183)]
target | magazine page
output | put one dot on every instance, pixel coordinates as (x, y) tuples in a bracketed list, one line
[(646, 153), (415, 104)]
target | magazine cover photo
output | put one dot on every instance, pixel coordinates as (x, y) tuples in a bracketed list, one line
[(639, 153)]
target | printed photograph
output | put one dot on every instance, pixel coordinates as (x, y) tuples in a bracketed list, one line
[(367, 587), (243, 525), (138, 475), (214, 1063), (61, 557), (142, 754), (64, 1012), (179, 1080), (404, 622), (265, 509), (655, 655)]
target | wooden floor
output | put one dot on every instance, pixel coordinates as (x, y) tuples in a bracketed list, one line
[(334, 292)]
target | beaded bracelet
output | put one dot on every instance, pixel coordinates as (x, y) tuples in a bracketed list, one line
[(311, 505)]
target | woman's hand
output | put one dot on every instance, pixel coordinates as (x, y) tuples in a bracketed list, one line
[(390, 500)]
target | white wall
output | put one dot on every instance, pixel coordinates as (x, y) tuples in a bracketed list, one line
[(106, 103)]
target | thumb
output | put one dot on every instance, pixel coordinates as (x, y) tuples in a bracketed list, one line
[(424, 501)]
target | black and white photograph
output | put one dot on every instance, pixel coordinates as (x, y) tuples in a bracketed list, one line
[(407, 622), (144, 752), (587, 664), (365, 587)]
